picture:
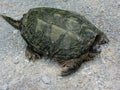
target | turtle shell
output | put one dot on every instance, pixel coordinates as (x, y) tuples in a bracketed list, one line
[(58, 33)]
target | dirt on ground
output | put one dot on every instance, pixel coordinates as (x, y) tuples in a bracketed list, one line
[(102, 73)]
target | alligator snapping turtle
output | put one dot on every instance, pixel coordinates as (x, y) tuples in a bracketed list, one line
[(66, 36)]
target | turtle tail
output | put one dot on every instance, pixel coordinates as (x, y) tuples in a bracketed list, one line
[(15, 23)]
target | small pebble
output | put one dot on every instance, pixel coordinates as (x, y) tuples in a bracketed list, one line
[(16, 62), (37, 79), (15, 31), (5, 87), (60, 77), (26, 60), (46, 80)]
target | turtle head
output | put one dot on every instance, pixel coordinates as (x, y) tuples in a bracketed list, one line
[(15, 23)]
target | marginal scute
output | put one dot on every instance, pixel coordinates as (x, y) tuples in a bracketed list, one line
[(58, 18)]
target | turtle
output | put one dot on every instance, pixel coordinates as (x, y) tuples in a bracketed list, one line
[(64, 36)]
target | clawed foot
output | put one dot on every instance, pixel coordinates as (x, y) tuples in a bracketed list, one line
[(31, 55), (67, 71), (69, 67)]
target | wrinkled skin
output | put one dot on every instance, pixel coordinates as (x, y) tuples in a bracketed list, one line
[(66, 36)]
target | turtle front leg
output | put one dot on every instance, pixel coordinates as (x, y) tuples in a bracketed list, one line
[(72, 65), (90, 56), (30, 54), (92, 53)]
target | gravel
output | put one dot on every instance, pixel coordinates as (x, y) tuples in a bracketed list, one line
[(5, 87), (46, 80), (17, 73)]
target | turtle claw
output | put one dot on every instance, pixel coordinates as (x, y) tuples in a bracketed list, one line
[(67, 71), (31, 55)]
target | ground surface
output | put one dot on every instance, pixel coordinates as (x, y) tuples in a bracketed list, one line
[(103, 73)]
